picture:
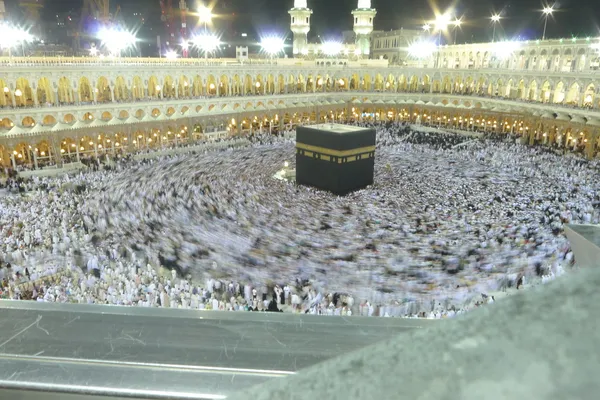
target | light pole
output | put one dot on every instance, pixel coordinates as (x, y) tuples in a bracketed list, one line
[(547, 11), (441, 24), (457, 23), (495, 19), (205, 17)]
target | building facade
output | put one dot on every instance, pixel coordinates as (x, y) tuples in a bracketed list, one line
[(57, 109), (363, 17)]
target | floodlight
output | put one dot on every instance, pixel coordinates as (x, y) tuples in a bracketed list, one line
[(116, 40), (332, 48), (496, 18), (272, 45), (11, 36), (442, 21), (207, 42), (204, 14), (548, 10), (422, 49), (171, 55), (503, 50)]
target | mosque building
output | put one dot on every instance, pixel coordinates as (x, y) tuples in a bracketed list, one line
[(364, 16), (55, 110)]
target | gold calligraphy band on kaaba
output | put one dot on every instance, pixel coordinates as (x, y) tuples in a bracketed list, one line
[(335, 153)]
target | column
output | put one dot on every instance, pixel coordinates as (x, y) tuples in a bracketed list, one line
[(35, 163), (77, 149), (35, 98), (12, 160)]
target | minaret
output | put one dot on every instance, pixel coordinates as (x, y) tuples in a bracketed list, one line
[(363, 25), (300, 26)]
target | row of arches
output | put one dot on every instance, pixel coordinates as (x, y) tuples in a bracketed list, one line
[(137, 89), (73, 146), (501, 55)]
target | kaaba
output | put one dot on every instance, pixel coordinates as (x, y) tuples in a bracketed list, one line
[(334, 157)]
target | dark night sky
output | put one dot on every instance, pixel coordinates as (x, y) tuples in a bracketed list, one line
[(521, 17)]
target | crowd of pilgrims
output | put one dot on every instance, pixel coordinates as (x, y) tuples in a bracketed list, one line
[(450, 221)]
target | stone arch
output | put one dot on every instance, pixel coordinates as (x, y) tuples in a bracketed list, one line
[(224, 85), (169, 88), (7, 96), (123, 115), (426, 83), (446, 84), (23, 93), (197, 86), (559, 93), (6, 123), (521, 91), (378, 82), (155, 112), (248, 85), (137, 89), (154, 88), (28, 122), (45, 94), (49, 120), (85, 90), (236, 85), (170, 111), (367, 85), (69, 118), (103, 92), (211, 85), (121, 92), (354, 82), (458, 85), (106, 116), (390, 83), (280, 89), (507, 92), (533, 91), (259, 85), (88, 117), (310, 84), (469, 85), (589, 95), (546, 92), (270, 84), (184, 87), (572, 96)]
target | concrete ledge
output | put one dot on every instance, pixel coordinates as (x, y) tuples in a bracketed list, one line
[(585, 242), (539, 344)]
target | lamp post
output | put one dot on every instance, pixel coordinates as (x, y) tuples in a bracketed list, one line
[(547, 11), (441, 24), (495, 19), (272, 46), (205, 17), (457, 23)]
